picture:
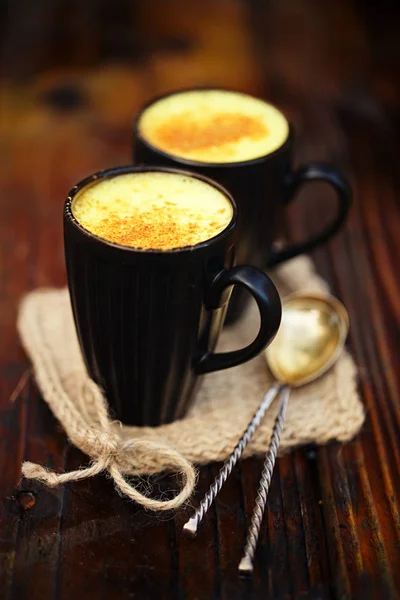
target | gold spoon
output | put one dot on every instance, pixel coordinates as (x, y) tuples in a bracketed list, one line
[(310, 339)]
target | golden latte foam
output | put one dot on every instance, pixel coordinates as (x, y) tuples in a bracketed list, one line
[(153, 210), (213, 126)]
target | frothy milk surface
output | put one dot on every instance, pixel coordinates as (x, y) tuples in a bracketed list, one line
[(214, 126), (153, 210)]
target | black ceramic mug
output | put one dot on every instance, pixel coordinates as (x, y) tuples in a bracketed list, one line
[(261, 187), (148, 321)]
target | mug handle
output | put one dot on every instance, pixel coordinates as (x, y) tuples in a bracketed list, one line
[(269, 305), (308, 174)]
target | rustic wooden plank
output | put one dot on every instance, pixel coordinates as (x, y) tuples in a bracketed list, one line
[(275, 553), (199, 566), (310, 500), (38, 543), (13, 418), (294, 528)]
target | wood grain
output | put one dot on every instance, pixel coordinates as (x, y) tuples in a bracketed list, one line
[(332, 528)]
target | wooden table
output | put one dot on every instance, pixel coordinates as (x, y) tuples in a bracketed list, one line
[(332, 528)]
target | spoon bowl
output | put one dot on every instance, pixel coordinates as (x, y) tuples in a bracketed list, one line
[(312, 334)]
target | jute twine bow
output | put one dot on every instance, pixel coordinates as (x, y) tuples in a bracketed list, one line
[(89, 427)]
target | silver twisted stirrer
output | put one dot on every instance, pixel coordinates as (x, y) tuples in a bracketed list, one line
[(192, 524), (246, 564)]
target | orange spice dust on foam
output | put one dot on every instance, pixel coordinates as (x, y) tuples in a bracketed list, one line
[(153, 210), (184, 133)]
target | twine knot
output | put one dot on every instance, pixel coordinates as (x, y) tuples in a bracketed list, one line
[(104, 446)]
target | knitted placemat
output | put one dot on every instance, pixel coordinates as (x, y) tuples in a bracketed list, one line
[(328, 409)]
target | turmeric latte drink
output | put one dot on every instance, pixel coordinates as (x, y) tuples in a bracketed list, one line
[(153, 210), (213, 126)]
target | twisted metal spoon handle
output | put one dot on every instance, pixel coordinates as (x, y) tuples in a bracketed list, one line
[(246, 564), (192, 524)]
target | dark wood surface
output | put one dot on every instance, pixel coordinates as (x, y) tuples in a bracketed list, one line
[(332, 528)]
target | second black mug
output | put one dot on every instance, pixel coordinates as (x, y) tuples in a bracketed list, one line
[(261, 188)]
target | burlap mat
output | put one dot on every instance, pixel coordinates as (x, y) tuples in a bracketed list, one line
[(328, 409)]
